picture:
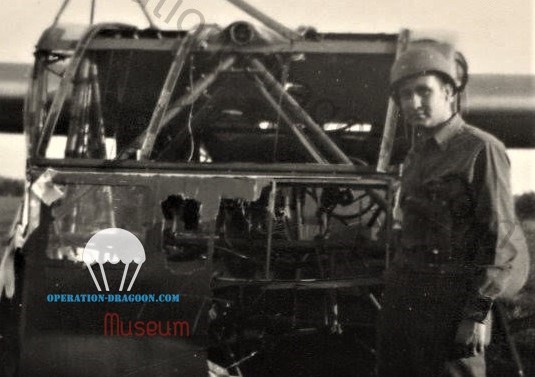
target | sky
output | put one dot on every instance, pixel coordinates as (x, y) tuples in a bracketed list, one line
[(495, 36)]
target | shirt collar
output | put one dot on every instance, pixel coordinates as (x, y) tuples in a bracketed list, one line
[(445, 132)]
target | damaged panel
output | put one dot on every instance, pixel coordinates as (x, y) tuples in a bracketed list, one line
[(210, 190), (282, 250)]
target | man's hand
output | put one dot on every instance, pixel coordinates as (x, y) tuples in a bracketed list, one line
[(470, 338)]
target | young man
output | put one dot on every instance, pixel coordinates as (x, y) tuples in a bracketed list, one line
[(459, 238)]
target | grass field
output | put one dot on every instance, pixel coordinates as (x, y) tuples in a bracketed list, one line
[(522, 310), (8, 209)]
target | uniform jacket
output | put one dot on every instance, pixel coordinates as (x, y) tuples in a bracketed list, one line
[(458, 211)]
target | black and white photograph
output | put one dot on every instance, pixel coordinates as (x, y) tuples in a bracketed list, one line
[(267, 188)]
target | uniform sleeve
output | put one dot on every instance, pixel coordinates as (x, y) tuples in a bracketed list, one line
[(499, 234)]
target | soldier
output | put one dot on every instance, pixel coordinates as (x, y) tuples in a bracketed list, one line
[(459, 240)]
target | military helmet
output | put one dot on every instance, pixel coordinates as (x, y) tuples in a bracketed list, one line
[(429, 56)]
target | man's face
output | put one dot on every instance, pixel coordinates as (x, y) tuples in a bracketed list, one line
[(425, 101)]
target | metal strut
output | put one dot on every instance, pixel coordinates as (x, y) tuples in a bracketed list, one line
[(60, 12), (316, 155), (146, 14), (266, 20), (392, 113), (92, 15), (173, 74), (313, 127), (196, 91), (67, 83)]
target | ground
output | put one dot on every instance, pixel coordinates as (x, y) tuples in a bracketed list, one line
[(521, 312)]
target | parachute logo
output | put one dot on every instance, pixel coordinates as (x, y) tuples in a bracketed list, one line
[(113, 245)]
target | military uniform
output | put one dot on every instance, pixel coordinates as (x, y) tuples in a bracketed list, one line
[(459, 242)]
